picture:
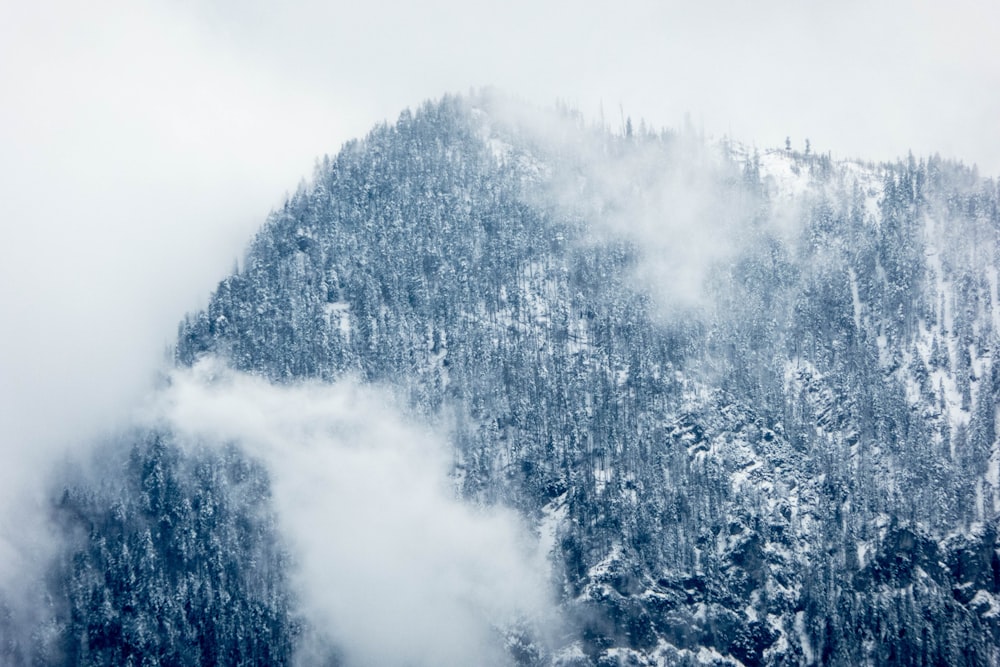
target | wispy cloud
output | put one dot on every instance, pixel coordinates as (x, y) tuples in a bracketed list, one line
[(389, 564), (676, 199)]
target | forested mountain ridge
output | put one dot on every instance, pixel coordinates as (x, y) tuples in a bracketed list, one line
[(750, 398)]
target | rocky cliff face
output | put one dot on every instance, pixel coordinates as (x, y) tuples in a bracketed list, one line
[(748, 398)]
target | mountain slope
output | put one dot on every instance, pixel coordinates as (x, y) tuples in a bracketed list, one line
[(750, 399)]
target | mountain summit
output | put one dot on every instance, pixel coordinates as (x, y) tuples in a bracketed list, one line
[(743, 403)]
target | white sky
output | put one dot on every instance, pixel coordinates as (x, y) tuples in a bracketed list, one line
[(141, 141)]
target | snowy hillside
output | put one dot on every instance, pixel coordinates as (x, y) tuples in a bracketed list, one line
[(743, 403)]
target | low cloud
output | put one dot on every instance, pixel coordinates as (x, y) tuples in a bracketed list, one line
[(390, 566), (675, 198)]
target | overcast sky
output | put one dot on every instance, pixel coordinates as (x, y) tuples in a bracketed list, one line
[(141, 142)]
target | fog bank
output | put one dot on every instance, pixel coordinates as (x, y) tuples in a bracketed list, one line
[(390, 566)]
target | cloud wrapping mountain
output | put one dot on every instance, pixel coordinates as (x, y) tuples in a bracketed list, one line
[(498, 386)]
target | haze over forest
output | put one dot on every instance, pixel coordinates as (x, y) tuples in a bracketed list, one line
[(593, 252)]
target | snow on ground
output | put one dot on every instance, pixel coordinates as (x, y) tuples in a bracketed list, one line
[(339, 312), (868, 178), (785, 177), (988, 601), (800, 629), (553, 515), (603, 568)]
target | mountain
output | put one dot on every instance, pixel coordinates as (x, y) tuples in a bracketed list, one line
[(746, 401)]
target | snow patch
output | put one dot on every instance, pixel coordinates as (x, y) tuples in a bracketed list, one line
[(340, 313), (987, 602), (785, 177), (800, 630)]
